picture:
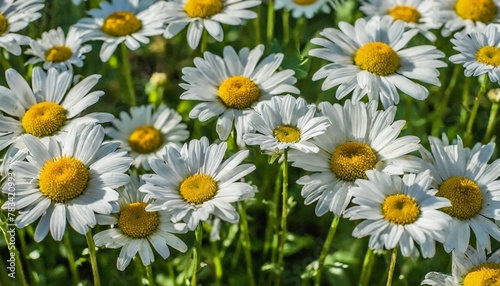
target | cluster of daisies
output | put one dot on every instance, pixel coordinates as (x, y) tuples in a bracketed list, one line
[(140, 176)]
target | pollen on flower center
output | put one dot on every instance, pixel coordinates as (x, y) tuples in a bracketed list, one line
[(198, 188), (63, 178), (122, 23), (465, 196), (287, 133), (476, 10), (351, 160), (405, 13), (487, 274), (136, 222), (44, 119), (378, 58), (305, 2), (145, 139), (238, 92), (4, 24), (489, 56), (58, 54), (400, 209), (203, 8)]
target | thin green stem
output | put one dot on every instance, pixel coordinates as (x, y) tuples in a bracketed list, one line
[(171, 272), (392, 265), (270, 21), (127, 73), (217, 262), (149, 275), (475, 108), (285, 17), (443, 103), (203, 44), (71, 259), (284, 214), (300, 25), (366, 272), (197, 253), (492, 122), (465, 102), (245, 241), (7, 233), (326, 249), (257, 26), (272, 225), (93, 258), (5, 64)]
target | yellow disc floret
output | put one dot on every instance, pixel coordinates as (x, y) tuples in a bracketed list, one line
[(63, 178), (203, 8), (304, 2), (489, 56), (378, 58), (351, 160), (198, 188), (4, 24), (487, 274), (136, 222), (405, 13), (465, 196), (400, 209), (145, 139), (238, 92), (44, 119), (119, 24), (476, 10), (58, 54), (287, 133)]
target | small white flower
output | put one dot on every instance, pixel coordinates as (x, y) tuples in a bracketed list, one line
[(307, 8)]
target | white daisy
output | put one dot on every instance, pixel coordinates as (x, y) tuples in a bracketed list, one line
[(69, 180), (54, 49), (286, 122), (11, 155), (128, 21), (370, 58), (464, 176), (206, 14), (49, 109), (469, 15), (144, 132), (231, 85), (136, 229), (307, 8), (469, 269), (194, 182), (416, 14), (399, 211), (15, 16), (479, 52), (360, 138)]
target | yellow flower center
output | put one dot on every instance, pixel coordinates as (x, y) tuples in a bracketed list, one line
[(44, 119), (305, 2), (400, 209), (136, 222), (198, 188), (238, 92), (405, 13), (476, 10), (145, 139), (487, 274), (465, 197), (203, 8), (4, 24), (63, 178), (351, 160), (58, 54), (489, 56), (287, 133), (121, 24), (378, 58)]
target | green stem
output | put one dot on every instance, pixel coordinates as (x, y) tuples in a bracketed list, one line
[(475, 107), (71, 259), (443, 103), (284, 214), (257, 27), (326, 249), (127, 73), (492, 122), (366, 272), (217, 262), (286, 26), (203, 44), (272, 225), (392, 266), (270, 21), (4, 226), (465, 102), (149, 275), (197, 253), (93, 258), (5, 64), (171, 272), (300, 25), (247, 246)]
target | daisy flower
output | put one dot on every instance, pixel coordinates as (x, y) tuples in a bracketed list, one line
[(11, 155), (464, 176), (194, 182), (468, 269), (128, 21), (469, 15), (399, 211), (231, 85), (370, 58), (307, 8), (137, 230), (479, 52), (206, 14), (285, 122), (144, 132), (55, 49), (15, 16), (416, 14), (47, 110), (360, 138), (69, 180)]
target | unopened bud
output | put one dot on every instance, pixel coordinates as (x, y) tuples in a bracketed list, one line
[(494, 95)]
